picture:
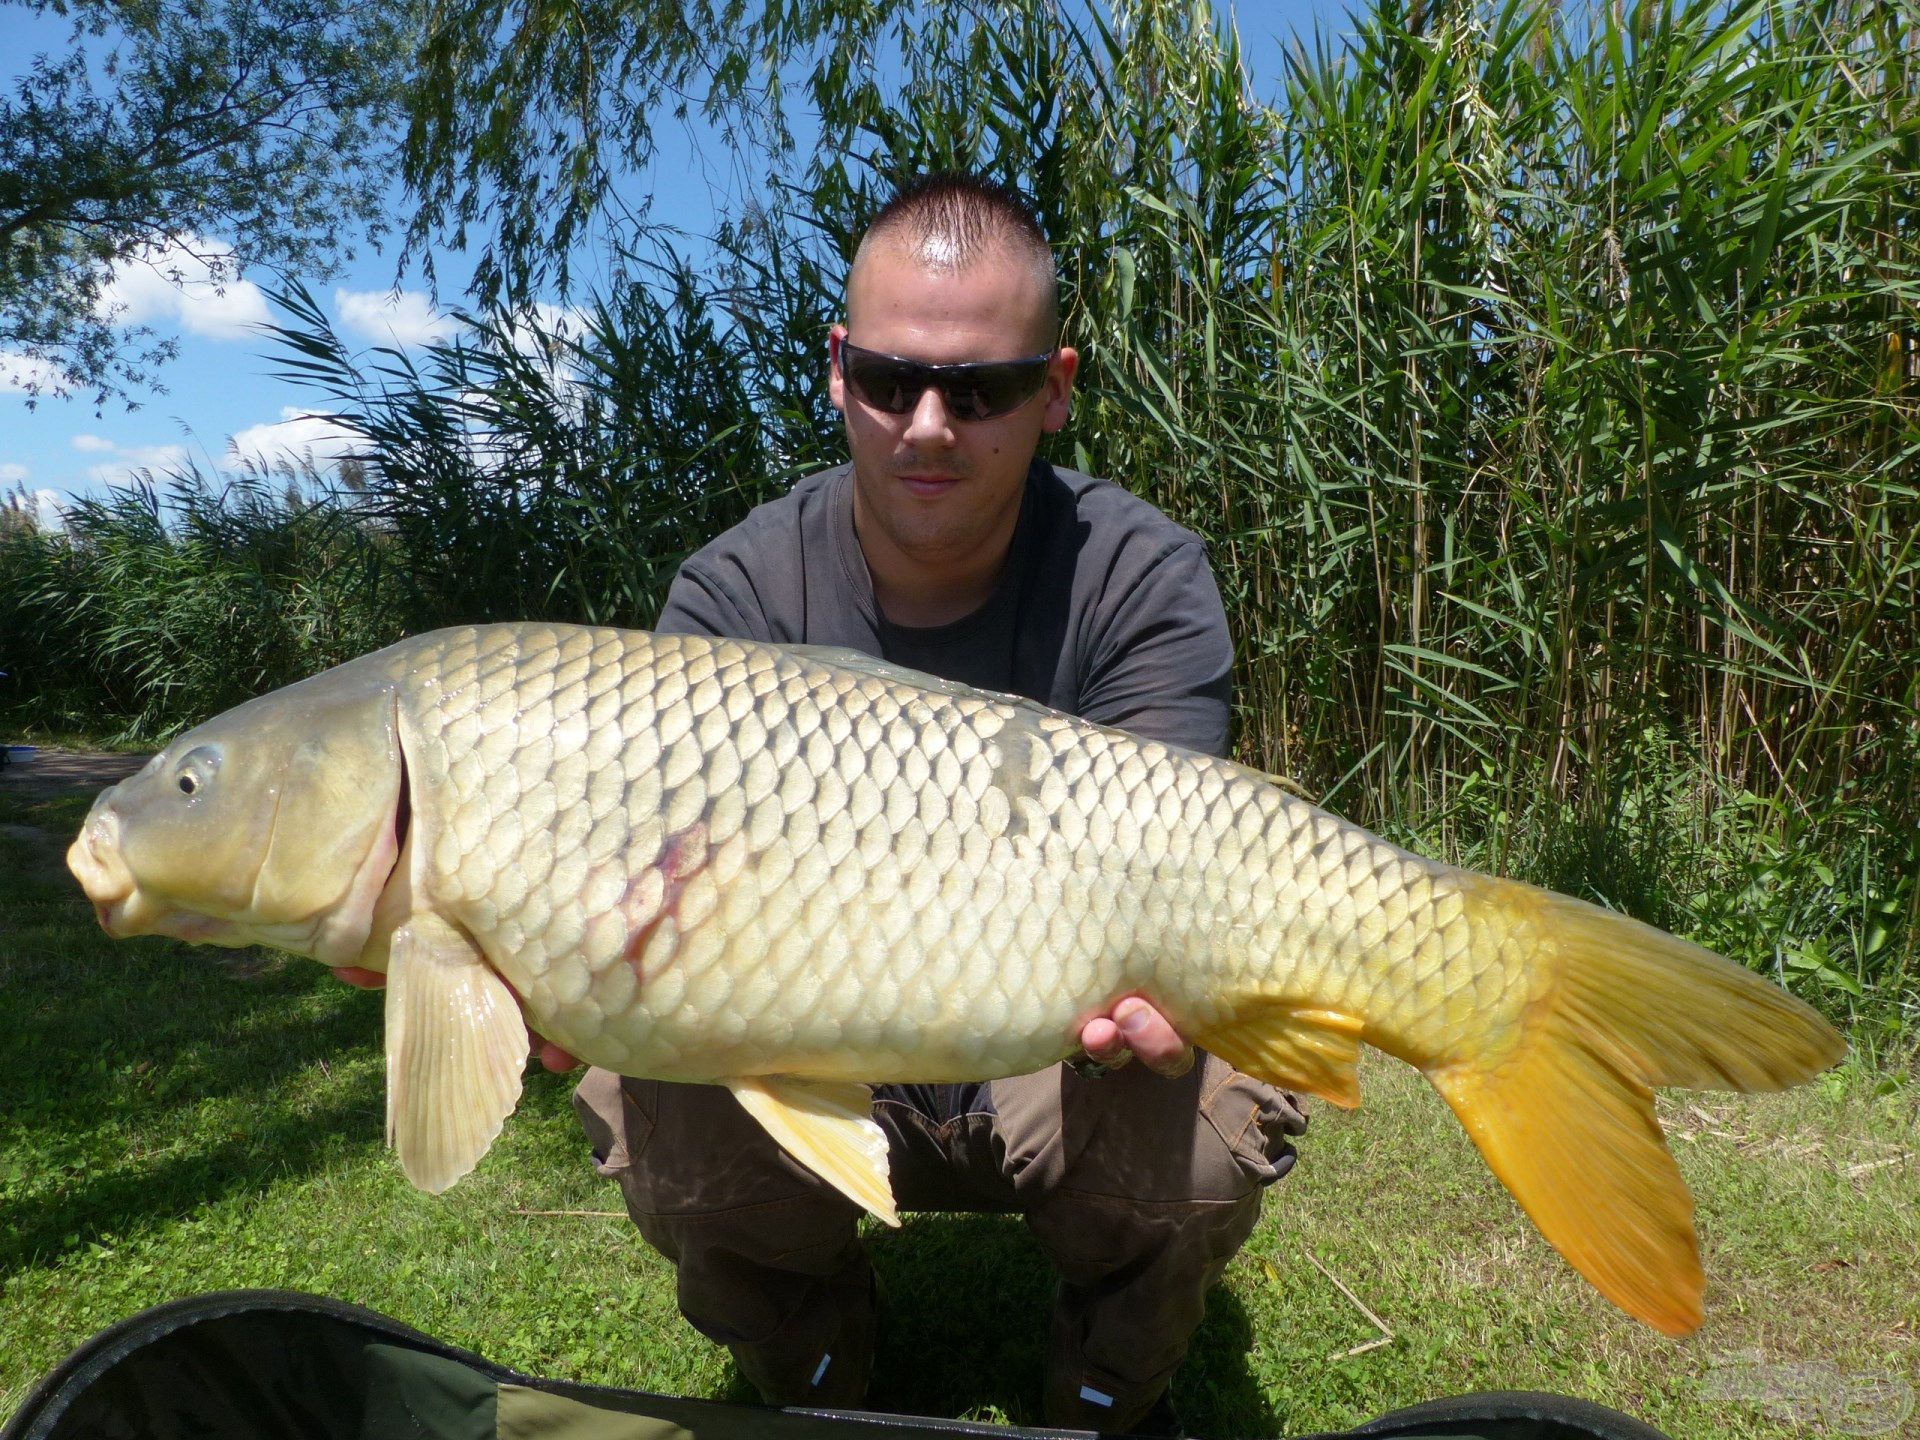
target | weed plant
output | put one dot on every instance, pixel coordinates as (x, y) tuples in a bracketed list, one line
[(176, 597)]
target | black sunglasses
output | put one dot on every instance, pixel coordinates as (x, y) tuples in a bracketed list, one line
[(977, 390)]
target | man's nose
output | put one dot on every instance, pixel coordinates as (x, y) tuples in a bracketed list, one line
[(930, 423)]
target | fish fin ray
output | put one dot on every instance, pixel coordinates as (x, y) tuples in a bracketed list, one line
[(456, 1046), (1682, 1015), (1565, 1117), (827, 1125), (1579, 1148), (1314, 1052)]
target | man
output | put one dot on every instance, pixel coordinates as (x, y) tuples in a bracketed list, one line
[(945, 546)]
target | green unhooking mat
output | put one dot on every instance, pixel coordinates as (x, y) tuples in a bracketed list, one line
[(276, 1365)]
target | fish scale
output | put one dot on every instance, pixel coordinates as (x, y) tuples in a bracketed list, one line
[(790, 870)]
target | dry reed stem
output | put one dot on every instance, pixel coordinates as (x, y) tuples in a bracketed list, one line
[(583, 1214), (1386, 1331)]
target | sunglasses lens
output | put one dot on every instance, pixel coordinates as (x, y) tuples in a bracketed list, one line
[(885, 383), (989, 390), (971, 392)]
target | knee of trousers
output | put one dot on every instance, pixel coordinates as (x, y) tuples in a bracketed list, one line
[(685, 1156), (767, 1256), (1213, 1137)]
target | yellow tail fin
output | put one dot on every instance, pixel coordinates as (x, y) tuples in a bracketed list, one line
[(1560, 1102), (1565, 1118)]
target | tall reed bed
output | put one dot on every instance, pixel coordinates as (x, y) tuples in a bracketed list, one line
[(181, 595), (548, 464)]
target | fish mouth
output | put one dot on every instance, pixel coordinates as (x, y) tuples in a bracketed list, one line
[(119, 904), (94, 859), (194, 928)]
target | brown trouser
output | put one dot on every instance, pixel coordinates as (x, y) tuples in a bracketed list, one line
[(1139, 1188)]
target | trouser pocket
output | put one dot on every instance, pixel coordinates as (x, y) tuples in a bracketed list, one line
[(1257, 1122)]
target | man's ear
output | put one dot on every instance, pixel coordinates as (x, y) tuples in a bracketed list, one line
[(1066, 363), (836, 385)]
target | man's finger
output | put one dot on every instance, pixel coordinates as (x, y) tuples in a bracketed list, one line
[(1103, 1042), (550, 1055), (358, 978), (1147, 1034)]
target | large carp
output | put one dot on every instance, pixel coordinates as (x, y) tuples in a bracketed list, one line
[(792, 870)]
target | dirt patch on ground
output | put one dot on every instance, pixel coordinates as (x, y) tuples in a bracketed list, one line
[(53, 772)]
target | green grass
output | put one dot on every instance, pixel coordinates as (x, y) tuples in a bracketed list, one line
[(176, 1120)]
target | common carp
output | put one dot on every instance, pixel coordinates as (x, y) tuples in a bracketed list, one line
[(794, 871)]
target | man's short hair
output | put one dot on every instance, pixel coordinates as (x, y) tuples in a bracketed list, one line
[(951, 219)]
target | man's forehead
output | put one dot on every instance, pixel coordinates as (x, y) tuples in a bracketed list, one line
[(931, 282)]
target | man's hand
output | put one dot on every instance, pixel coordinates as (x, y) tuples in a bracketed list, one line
[(552, 1057), (1136, 1028)]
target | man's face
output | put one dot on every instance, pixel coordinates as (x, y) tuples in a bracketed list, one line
[(935, 490)]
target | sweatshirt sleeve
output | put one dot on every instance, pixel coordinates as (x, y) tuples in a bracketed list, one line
[(1162, 665), (715, 600)]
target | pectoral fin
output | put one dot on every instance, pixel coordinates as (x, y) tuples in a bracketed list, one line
[(456, 1046), (827, 1125)]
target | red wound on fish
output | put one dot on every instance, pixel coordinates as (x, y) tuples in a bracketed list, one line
[(682, 857)]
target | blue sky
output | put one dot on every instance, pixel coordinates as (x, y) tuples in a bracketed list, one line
[(220, 397)]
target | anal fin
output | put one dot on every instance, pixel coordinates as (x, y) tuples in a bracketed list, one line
[(456, 1046), (827, 1125), (1311, 1051)]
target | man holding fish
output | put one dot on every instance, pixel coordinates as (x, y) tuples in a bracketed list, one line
[(773, 869), (947, 547)]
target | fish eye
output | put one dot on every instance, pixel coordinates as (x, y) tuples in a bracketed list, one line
[(197, 769)]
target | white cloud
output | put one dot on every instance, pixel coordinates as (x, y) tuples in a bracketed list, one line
[(23, 372), (406, 318), (296, 435), (49, 509), (129, 460), (192, 284), (569, 321), (562, 322), (95, 443), (11, 474)]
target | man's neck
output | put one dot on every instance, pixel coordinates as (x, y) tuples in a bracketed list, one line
[(921, 592)]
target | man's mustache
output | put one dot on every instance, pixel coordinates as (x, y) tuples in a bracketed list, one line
[(916, 465)]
